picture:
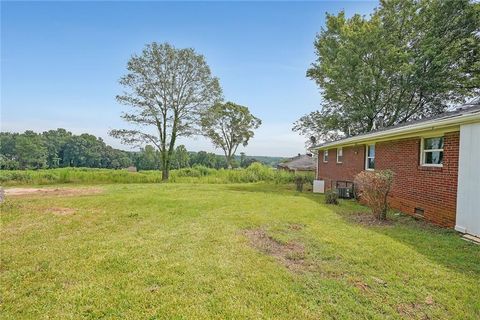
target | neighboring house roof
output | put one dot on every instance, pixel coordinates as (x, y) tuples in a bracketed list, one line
[(467, 113), (300, 162)]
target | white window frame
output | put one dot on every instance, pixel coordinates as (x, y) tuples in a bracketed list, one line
[(423, 151), (325, 155), (340, 150), (367, 157)]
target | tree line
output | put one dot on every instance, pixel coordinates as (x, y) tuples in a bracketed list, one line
[(60, 148)]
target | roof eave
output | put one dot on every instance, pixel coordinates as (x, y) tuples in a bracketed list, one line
[(427, 125)]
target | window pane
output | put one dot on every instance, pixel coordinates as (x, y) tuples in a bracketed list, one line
[(434, 143), (371, 163), (434, 157), (340, 152), (371, 150)]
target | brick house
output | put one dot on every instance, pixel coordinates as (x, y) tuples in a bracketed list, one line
[(436, 162)]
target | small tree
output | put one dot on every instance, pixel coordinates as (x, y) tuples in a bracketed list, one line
[(373, 188), (228, 125), (299, 181)]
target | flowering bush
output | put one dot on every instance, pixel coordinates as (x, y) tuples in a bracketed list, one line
[(373, 188)]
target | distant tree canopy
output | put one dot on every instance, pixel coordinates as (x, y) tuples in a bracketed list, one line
[(60, 148), (166, 89), (408, 60)]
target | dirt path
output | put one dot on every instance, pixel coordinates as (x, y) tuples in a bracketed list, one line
[(51, 191)]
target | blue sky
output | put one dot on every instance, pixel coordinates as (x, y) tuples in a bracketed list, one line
[(60, 62)]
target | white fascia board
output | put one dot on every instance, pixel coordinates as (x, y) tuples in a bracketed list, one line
[(392, 133)]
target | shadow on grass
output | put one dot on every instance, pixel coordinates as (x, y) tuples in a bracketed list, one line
[(441, 245), (268, 188)]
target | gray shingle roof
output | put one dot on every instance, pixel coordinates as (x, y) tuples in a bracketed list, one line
[(300, 162)]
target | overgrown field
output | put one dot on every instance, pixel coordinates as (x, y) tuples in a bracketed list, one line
[(198, 174), (224, 251)]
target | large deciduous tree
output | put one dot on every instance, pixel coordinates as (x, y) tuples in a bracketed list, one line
[(229, 125), (167, 90), (408, 60)]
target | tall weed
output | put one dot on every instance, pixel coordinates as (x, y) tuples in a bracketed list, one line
[(197, 174)]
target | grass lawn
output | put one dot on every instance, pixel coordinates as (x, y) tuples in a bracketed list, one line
[(236, 251)]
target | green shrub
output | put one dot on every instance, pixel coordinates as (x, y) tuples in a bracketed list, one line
[(331, 197), (299, 181)]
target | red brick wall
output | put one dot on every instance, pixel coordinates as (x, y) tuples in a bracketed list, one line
[(331, 171), (433, 189)]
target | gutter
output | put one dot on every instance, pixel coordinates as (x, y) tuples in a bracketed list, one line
[(423, 126)]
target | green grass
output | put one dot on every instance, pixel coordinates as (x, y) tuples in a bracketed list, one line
[(178, 251), (199, 174)]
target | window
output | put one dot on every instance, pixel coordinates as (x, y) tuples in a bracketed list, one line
[(339, 155), (325, 155), (370, 159), (432, 151)]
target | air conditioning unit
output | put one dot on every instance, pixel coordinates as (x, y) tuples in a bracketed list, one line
[(345, 193)]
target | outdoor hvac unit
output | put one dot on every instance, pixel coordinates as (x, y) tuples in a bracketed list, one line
[(345, 193), (345, 189)]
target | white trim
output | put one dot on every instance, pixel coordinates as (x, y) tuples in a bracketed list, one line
[(325, 152), (339, 149), (432, 165), (430, 125), (367, 157), (423, 151)]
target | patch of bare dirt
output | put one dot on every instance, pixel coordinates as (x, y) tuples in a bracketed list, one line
[(368, 219), (51, 191), (290, 254), (61, 211)]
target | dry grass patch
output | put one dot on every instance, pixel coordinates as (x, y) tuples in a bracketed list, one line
[(51, 191), (290, 254), (296, 226), (61, 211), (415, 310)]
